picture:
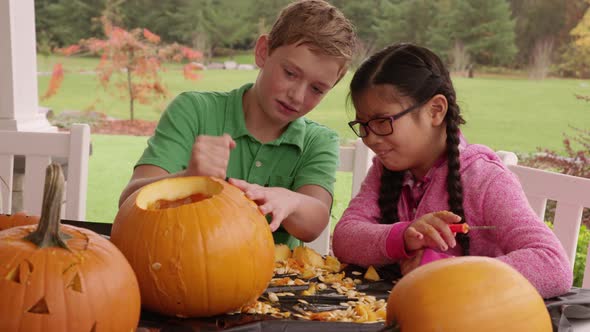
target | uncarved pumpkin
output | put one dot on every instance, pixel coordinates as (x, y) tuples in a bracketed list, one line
[(198, 246), (467, 294), (63, 278), (18, 219)]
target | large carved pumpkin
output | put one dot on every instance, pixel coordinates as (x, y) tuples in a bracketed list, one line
[(466, 294), (63, 278), (18, 219), (198, 246)]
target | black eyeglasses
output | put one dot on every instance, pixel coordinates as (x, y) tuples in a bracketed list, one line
[(379, 126)]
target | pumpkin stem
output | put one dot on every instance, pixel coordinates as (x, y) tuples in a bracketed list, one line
[(47, 233)]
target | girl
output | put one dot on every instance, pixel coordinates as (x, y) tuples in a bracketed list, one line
[(425, 176)]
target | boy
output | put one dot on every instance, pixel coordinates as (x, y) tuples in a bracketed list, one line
[(257, 132)]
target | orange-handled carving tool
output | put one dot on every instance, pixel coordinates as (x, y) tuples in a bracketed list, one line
[(464, 228)]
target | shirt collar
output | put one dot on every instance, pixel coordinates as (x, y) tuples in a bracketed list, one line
[(294, 134), (235, 122), (410, 181)]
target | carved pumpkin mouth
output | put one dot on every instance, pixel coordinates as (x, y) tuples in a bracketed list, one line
[(175, 192)]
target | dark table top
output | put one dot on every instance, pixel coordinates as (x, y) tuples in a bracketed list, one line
[(245, 322), (150, 321), (578, 297)]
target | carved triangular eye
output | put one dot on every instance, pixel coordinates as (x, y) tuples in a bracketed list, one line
[(93, 329), (75, 284), (68, 268), (29, 265), (40, 307), (20, 273), (14, 275)]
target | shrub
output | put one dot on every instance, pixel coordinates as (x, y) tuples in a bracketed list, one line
[(581, 252), (575, 162), (66, 118)]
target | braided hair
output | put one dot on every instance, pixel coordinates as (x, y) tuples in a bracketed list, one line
[(418, 73)]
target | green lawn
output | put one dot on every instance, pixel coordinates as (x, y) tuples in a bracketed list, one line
[(509, 114), (110, 168)]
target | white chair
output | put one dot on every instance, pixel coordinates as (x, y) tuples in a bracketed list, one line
[(572, 195), (356, 159), (39, 148)]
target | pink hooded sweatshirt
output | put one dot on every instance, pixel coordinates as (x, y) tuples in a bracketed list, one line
[(492, 195)]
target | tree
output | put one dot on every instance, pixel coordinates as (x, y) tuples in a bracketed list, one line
[(189, 28), (226, 32), (213, 24), (65, 22), (574, 11), (264, 13), (370, 19), (131, 61), (578, 55), (57, 77), (538, 25), (404, 21), (483, 27), (156, 15)]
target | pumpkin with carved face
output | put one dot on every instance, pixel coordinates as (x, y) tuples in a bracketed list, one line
[(63, 278), (198, 246)]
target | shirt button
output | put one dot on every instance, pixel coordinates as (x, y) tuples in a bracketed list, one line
[(258, 163)]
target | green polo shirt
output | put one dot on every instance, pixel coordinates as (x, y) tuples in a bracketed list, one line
[(306, 153)]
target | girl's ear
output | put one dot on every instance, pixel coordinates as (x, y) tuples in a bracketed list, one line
[(261, 50), (437, 110)]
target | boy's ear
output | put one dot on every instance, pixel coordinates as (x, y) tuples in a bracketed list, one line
[(438, 106), (261, 50)]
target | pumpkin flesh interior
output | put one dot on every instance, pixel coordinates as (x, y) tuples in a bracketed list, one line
[(166, 204), (176, 192)]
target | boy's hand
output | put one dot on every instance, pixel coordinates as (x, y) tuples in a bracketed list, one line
[(210, 156), (431, 231), (279, 202)]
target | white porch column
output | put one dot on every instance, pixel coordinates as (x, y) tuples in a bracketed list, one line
[(18, 68)]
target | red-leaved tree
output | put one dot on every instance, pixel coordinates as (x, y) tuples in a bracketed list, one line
[(131, 61), (57, 76)]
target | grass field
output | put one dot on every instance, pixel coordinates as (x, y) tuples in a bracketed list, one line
[(503, 113)]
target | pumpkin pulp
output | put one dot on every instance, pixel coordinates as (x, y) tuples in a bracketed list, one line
[(166, 204)]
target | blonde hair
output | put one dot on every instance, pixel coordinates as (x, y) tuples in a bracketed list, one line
[(316, 23)]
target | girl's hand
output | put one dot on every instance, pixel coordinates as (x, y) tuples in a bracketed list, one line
[(409, 264), (421, 257), (210, 156), (431, 231), (279, 202)]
